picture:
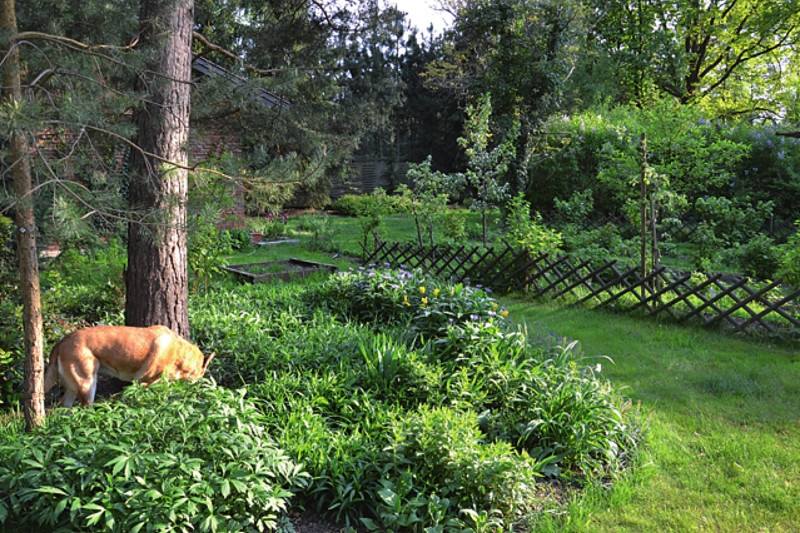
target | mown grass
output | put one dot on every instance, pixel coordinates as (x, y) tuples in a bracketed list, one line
[(724, 423)]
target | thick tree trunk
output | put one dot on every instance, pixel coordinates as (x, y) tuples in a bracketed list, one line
[(157, 277), (33, 394)]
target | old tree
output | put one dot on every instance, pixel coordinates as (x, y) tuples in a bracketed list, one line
[(157, 272), (157, 277)]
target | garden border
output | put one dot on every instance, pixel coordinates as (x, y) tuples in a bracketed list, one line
[(738, 303)]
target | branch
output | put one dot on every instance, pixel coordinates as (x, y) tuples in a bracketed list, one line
[(261, 71)]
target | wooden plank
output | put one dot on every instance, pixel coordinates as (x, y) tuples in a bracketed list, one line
[(593, 273), (776, 309), (632, 288), (742, 304), (671, 286), (685, 296), (765, 312), (606, 287), (571, 271), (711, 301)]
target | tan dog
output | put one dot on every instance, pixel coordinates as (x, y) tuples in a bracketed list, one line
[(128, 353)]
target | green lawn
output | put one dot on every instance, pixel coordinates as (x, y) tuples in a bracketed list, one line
[(723, 417)]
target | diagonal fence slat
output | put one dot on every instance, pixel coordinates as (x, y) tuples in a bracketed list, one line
[(712, 300)]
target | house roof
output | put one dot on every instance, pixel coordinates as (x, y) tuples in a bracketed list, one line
[(209, 68)]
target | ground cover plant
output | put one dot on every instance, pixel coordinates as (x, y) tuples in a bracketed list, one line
[(169, 457), (411, 427)]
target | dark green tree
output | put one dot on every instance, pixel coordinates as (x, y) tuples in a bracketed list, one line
[(730, 55)]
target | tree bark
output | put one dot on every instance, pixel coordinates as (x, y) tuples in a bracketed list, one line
[(157, 276), (33, 393)]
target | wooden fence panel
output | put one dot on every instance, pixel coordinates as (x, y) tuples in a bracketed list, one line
[(708, 299)]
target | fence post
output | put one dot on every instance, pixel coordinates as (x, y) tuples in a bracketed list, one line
[(644, 214)]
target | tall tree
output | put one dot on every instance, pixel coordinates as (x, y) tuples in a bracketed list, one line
[(157, 277), (12, 105), (693, 49)]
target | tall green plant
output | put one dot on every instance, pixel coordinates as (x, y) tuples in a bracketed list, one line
[(527, 230), (488, 163), (428, 199)]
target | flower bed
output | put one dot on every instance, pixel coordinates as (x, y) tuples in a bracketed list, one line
[(283, 270)]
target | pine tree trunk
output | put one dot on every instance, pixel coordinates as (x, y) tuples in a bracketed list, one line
[(157, 277), (33, 394)]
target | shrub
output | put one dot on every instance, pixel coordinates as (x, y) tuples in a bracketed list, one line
[(183, 456), (758, 258), (411, 413), (352, 205), (87, 286), (450, 458), (207, 247), (239, 238), (528, 231), (425, 305), (322, 233), (790, 260)]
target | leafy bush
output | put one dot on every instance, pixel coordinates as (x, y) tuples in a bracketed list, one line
[(790, 261), (528, 231), (322, 231), (449, 456), (352, 379), (87, 286), (351, 205), (173, 455), (758, 258), (733, 221), (239, 238), (424, 305), (208, 246)]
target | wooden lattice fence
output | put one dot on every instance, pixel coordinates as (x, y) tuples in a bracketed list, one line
[(711, 299)]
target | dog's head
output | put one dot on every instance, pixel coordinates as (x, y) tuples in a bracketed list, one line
[(190, 363)]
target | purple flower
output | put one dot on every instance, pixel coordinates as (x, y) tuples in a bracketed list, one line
[(474, 317)]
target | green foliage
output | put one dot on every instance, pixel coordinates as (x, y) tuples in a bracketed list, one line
[(87, 286), (789, 268), (11, 354), (323, 234), (595, 243), (445, 448), (429, 197), (182, 456), (425, 306), (689, 156), (576, 210), (733, 221), (758, 258), (486, 179), (371, 214), (360, 404), (350, 205), (454, 225), (208, 246), (240, 239), (528, 231), (722, 55)]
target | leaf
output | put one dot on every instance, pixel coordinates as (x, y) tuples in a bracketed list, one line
[(51, 490)]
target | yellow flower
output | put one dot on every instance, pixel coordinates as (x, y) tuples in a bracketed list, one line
[(452, 292), (436, 292), (422, 290), (405, 300), (424, 301), (504, 313), (494, 306)]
